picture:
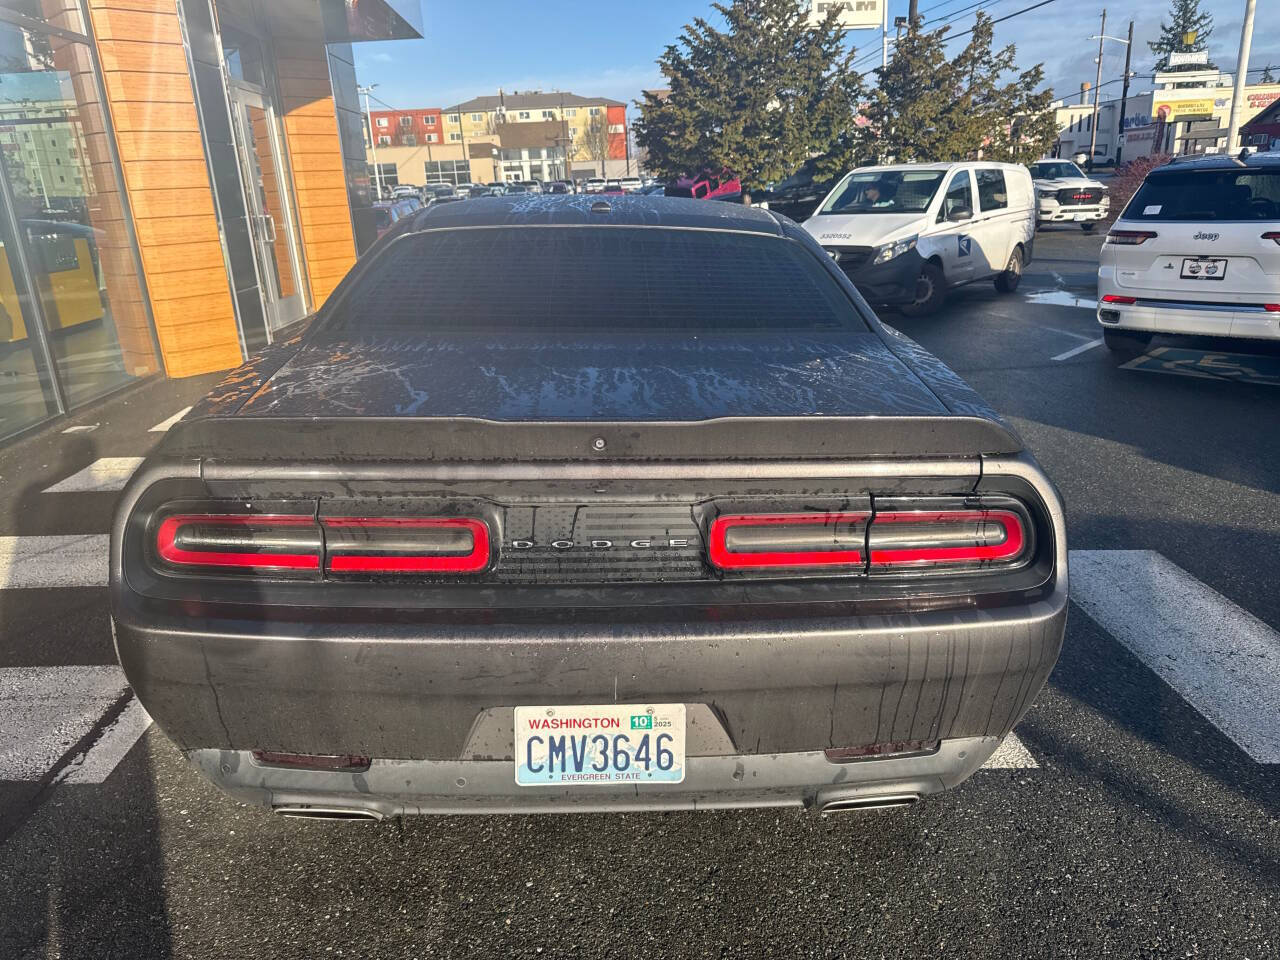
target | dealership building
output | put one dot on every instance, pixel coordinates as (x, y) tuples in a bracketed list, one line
[(182, 181)]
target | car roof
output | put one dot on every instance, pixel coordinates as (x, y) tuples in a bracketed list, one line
[(1269, 160), (577, 210)]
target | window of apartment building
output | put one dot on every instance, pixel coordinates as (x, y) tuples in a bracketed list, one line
[(615, 128), (428, 121), (477, 117), (571, 112), (455, 118), (455, 137), (548, 114), (384, 141), (382, 121), (432, 138), (409, 140), (593, 111), (523, 114)]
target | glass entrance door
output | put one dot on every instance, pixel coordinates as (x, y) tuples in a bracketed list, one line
[(268, 205)]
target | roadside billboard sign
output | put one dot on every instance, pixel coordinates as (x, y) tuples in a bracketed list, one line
[(853, 14), (1181, 58)]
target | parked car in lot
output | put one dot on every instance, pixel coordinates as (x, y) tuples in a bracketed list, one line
[(558, 187), (386, 213), (358, 580), (533, 186), (1196, 251), (463, 190), (1065, 195), (707, 186), (906, 234), (613, 186), (799, 194), (631, 184), (595, 185)]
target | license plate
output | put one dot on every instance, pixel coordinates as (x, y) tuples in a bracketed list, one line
[(582, 746), (1203, 268), (1081, 217)]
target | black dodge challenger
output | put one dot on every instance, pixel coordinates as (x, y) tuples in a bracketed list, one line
[(575, 503)]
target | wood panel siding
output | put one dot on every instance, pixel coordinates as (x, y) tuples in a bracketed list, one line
[(148, 84), (315, 155)]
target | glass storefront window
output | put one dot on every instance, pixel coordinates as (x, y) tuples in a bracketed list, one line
[(61, 198)]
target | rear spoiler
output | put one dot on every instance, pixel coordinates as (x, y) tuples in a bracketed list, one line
[(463, 439)]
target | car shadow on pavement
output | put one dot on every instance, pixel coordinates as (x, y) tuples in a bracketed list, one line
[(81, 869)]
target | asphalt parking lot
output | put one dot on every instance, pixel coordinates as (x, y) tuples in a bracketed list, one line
[(1137, 815)]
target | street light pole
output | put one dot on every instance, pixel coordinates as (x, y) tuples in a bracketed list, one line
[(373, 137), (1093, 133), (1242, 70), (1124, 92)]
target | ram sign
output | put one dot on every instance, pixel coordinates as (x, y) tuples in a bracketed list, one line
[(853, 14)]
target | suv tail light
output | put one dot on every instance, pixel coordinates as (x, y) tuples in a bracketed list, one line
[(293, 545), (1272, 235), (1130, 237), (906, 537), (1116, 298), (405, 545)]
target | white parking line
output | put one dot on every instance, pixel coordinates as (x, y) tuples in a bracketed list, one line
[(105, 474), (113, 745), (79, 560), (1068, 333), (164, 425), (82, 428), (1080, 349), (1221, 659), (44, 711), (1011, 755)]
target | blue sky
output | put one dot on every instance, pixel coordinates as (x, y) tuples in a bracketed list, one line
[(609, 49)]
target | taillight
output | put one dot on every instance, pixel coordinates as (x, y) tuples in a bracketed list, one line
[(1115, 298), (313, 761), (296, 545), (1272, 235), (1130, 237), (405, 544), (787, 541), (258, 542), (945, 538), (904, 536), (1271, 307)]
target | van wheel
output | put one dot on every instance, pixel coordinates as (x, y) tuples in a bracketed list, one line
[(1007, 281), (931, 291), (1126, 344), (1087, 227)]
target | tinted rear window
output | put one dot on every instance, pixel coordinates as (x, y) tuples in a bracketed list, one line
[(1208, 195), (588, 278)]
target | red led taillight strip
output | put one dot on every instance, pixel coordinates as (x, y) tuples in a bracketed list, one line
[(722, 557), (170, 552), (1008, 549), (471, 562)]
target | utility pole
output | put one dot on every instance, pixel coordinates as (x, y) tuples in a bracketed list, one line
[(1242, 69), (1097, 92), (1124, 93), (373, 137), (912, 11), (884, 34), (466, 161)]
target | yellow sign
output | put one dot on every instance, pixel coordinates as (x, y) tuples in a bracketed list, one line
[(1173, 109)]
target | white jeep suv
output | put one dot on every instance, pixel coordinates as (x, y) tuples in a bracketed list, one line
[(1065, 195), (1196, 251)]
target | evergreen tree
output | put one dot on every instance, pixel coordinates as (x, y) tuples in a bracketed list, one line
[(1267, 75), (934, 108), (1185, 18), (758, 98)]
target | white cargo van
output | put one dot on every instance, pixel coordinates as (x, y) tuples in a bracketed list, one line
[(1196, 251), (905, 234)]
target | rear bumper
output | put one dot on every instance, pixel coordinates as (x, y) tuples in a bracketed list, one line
[(1190, 318), (774, 688), (397, 788)]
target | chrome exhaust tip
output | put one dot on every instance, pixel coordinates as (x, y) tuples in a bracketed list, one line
[(870, 802), (300, 812)]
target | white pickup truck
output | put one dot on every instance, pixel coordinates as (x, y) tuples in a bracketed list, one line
[(1065, 195)]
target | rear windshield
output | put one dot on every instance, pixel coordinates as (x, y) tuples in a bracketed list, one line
[(592, 278), (1208, 195), (1054, 171)]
